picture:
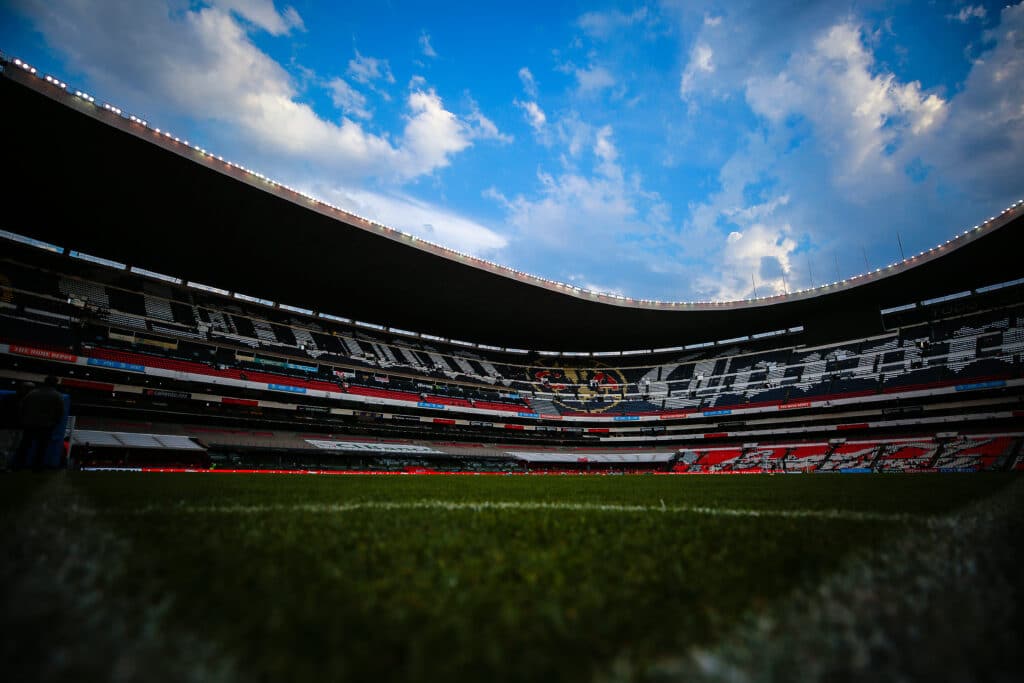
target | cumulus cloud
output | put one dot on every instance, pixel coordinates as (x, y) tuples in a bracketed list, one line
[(741, 237), (432, 133), (859, 112), (759, 39), (837, 132), (201, 63), (758, 255), (847, 154), (981, 145)]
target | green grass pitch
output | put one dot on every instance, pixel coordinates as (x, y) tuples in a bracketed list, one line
[(431, 578)]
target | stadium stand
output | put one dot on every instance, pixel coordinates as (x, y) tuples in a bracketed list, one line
[(983, 345), (822, 380)]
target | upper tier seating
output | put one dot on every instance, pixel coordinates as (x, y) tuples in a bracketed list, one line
[(974, 348)]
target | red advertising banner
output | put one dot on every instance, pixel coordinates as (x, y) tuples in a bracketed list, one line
[(797, 404), (43, 353)]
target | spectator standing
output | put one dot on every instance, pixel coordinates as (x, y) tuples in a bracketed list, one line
[(40, 412)]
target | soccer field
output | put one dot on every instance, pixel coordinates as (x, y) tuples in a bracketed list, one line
[(259, 577)]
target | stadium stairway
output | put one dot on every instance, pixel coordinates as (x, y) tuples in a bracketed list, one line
[(828, 456), (1015, 461), (939, 452), (877, 456), (544, 406)]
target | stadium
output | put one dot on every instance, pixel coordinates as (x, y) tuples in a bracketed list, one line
[(560, 514)]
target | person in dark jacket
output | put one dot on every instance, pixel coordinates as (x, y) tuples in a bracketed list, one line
[(40, 412)]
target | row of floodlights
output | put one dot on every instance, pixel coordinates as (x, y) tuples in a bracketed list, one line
[(520, 274), (25, 65)]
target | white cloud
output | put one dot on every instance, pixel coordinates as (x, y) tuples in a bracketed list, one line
[(348, 99), (859, 127), (607, 154), (701, 63), (584, 282), (760, 37), (861, 115), (982, 143), (967, 13), (748, 214), (759, 254), (201, 63), (483, 128), (603, 25), (829, 166), (594, 79), (576, 135), (425, 46), (366, 70), (529, 84), (755, 262), (600, 220), (432, 134), (737, 238), (570, 210), (534, 114), (417, 217), (293, 19), (262, 14)]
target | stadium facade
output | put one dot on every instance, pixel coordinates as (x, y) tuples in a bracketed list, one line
[(257, 327)]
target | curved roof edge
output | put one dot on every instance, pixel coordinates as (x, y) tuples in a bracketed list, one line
[(139, 127), (95, 179)]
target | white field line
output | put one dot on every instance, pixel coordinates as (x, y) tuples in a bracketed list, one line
[(457, 506)]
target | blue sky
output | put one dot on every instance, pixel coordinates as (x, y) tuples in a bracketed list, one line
[(672, 150)]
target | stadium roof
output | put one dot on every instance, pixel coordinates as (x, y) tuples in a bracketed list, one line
[(85, 175)]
